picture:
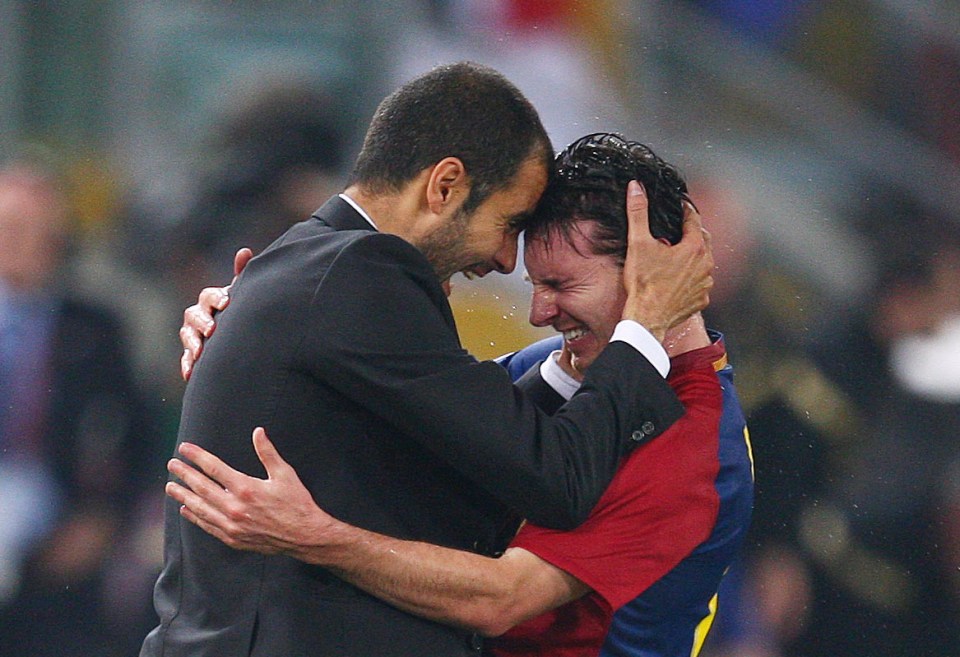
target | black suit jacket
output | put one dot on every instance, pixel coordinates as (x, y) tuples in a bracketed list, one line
[(340, 341)]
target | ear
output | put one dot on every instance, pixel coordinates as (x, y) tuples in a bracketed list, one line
[(447, 186)]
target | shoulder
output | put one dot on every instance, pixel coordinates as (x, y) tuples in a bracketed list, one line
[(383, 247), (385, 261), (312, 251), (80, 319), (315, 239), (82, 310), (378, 283), (84, 332)]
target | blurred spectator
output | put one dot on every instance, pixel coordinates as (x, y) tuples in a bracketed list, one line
[(767, 21), (856, 452), (273, 158), (895, 360), (938, 79), (565, 55), (796, 434), (273, 154), (840, 42), (74, 442)]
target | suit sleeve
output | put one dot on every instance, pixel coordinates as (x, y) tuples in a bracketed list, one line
[(381, 332)]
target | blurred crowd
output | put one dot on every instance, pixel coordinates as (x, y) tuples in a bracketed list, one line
[(853, 405), (854, 417)]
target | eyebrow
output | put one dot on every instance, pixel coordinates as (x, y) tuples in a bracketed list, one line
[(549, 281)]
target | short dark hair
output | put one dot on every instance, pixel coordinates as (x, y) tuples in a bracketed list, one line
[(589, 183), (463, 110)]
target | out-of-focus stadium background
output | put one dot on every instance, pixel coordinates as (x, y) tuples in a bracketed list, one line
[(821, 141)]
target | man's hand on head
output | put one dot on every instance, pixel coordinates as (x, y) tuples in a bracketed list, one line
[(665, 284), (198, 321)]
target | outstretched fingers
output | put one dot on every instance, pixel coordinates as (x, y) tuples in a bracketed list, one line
[(665, 284), (212, 494), (200, 498), (206, 518), (639, 238), (216, 471)]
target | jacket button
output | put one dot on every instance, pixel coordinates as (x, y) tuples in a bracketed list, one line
[(648, 428), (637, 436)]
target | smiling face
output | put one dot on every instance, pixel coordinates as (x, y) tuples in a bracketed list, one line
[(576, 292), (485, 239)]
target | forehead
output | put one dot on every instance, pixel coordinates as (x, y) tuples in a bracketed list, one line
[(527, 185), (555, 255)]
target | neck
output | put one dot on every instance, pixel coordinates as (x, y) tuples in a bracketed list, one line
[(400, 213), (377, 207), (686, 336)]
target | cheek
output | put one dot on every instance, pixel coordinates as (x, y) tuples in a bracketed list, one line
[(611, 310), (489, 240)]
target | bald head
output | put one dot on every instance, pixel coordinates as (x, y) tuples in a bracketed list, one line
[(33, 227)]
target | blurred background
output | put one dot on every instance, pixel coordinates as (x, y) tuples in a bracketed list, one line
[(144, 142)]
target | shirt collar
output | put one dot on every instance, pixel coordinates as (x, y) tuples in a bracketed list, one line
[(359, 210)]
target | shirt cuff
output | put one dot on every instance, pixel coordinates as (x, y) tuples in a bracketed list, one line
[(643, 341), (555, 377)]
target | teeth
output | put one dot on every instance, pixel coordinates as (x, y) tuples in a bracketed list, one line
[(469, 275), (573, 334)]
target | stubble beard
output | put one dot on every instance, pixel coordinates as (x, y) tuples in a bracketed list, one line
[(445, 248)]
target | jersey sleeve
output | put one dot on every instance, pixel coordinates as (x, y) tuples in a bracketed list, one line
[(518, 362), (659, 508)]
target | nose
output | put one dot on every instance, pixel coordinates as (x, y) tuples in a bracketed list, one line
[(543, 307), (506, 258)]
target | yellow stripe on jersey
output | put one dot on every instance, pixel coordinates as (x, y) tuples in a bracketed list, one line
[(746, 438), (703, 627)]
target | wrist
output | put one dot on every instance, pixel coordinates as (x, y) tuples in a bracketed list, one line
[(648, 317), (324, 544)]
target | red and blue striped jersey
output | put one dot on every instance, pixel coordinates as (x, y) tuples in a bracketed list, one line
[(658, 543)]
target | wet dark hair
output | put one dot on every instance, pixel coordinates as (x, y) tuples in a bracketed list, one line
[(589, 183), (463, 110)]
